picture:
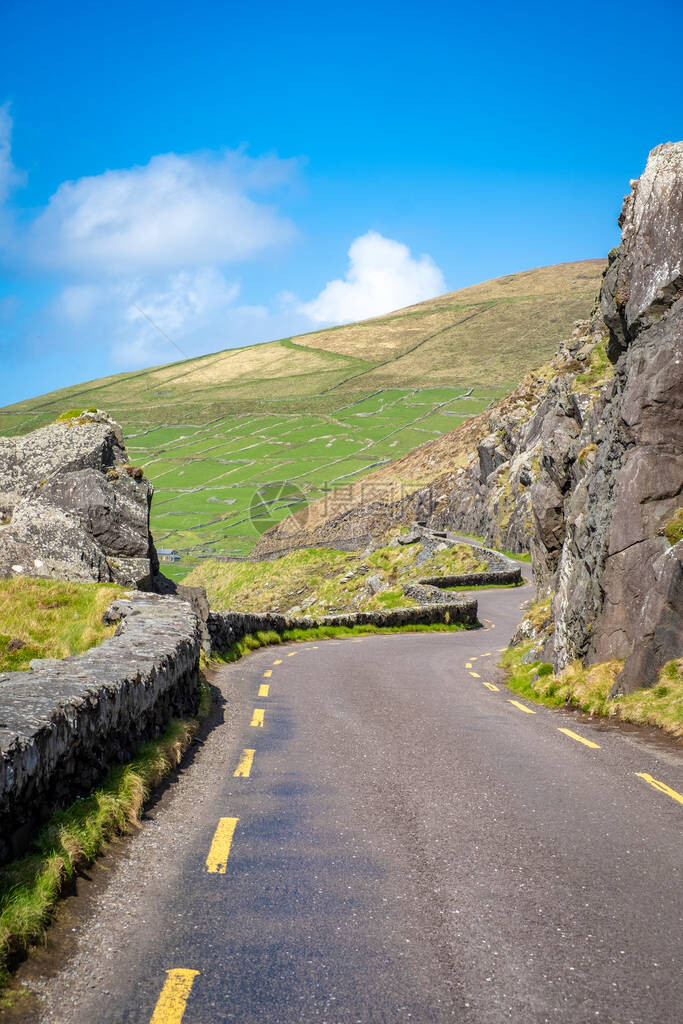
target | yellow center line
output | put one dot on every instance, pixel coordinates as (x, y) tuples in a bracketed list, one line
[(661, 786), (485, 655), (243, 770), (217, 861), (522, 707), (491, 686), (171, 1003), (268, 673), (475, 675), (264, 690), (502, 650), (579, 739), (468, 664), (278, 662), (291, 654), (257, 717)]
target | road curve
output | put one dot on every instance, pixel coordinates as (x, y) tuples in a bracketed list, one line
[(392, 840)]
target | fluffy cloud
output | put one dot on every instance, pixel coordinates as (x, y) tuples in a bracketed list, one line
[(382, 276), (176, 211), (155, 319)]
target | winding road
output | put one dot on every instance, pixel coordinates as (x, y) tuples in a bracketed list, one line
[(377, 831)]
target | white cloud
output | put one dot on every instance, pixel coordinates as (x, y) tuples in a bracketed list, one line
[(382, 276), (147, 320), (176, 211), (9, 175)]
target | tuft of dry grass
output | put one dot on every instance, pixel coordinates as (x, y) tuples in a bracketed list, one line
[(588, 688), (50, 619)]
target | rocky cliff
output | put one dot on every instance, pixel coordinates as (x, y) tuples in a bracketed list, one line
[(72, 508), (618, 579)]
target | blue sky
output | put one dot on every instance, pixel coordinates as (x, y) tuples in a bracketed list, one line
[(243, 172)]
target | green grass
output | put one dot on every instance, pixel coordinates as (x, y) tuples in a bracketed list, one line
[(51, 619), (253, 641), (284, 583), (588, 689), (488, 586), (72, 838), (673, 530), (598, 372), (308, 409)]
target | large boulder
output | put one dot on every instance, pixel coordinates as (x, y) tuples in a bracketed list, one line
[(71, 507)]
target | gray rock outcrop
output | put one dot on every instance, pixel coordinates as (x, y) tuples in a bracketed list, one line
[(619, 581), (72, 508)]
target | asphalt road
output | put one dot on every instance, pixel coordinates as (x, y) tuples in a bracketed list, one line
[(409, 846)]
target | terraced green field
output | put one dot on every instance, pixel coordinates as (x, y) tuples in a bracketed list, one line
[(219, 435), (218, 486)]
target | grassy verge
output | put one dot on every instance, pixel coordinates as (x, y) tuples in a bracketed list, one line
[(252, 641), (327, 581), (50, 619), (588, 689), (73, 837)]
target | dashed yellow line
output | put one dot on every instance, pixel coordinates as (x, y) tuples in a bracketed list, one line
[(485, 655), (580, 739), (243, 770), (257, 717), (278, 662), (263, 690), (468, 664), (268, 673), (475, 675), (291, 654), (522, 707), (661, 786), (171, 1003), (217, 861), (491, 686)]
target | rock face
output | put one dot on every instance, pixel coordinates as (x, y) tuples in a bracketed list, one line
[(619, 581), (72, 508)]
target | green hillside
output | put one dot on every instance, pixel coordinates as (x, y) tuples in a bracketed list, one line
[(321, 409)]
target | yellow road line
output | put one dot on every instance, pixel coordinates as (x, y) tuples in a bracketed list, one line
[(243, 770), (491, 686), (217, 861), (485, 655), (475, 675), (580, 739), (291, 654), (174, 995), (661, 786), (268, 673), (468, 664), (502, 650), (263, 690), (522, 707), (257, 717), (278, 662)]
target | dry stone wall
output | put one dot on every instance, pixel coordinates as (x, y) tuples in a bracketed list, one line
[(64, 723), (227, 628)]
